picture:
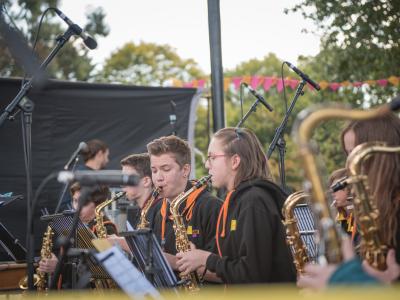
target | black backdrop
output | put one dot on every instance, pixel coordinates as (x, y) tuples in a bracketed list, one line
[(66, 113)]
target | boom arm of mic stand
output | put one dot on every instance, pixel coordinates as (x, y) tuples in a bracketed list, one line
[(283, 124), (61, 40), (279, 140), (253, 108), (65, 187)]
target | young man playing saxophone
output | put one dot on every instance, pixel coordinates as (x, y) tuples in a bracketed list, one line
[(141, 194), (170, 167)]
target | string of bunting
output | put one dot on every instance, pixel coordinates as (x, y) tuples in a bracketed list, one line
[(268, 82)]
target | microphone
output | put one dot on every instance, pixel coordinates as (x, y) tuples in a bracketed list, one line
[(82, 147), (87, 39), (258, 96), (304, 76), (88, 178), (340, 185)]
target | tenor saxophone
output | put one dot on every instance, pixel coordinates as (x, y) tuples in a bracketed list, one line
[(143, 223), (40, 278), (182, 242), (307, 120), (101, 230), (365, 210), (293, 237)]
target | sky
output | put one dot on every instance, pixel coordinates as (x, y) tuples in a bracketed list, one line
[(249, 29)]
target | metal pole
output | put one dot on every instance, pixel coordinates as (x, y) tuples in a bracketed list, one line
[(217, 75)]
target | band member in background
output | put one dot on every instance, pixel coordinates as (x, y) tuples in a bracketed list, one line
[(170, 167), (344, 207), (139, 164), (96, 156), (383, 171), (250, 236), (87, 217)]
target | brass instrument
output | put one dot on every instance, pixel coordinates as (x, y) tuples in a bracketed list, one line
[(39, 279), (330, 242), (366, 212), (181, 238), (293, 237), (101, 231), (143, 223)]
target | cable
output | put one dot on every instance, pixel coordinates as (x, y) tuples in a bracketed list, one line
[(284, 88), (241, 98)]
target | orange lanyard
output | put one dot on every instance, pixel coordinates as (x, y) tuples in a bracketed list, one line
[(188, 211), (223, 211)]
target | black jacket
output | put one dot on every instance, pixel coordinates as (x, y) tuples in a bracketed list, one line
[(201, 227), (254, 249), (133, 214)]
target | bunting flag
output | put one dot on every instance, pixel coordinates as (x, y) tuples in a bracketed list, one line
[(268, 82)]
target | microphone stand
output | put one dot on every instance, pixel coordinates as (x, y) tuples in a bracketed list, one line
[(24, 104), (172, 117), (253, 108), (67, 242), (65, 187), (279, 140)]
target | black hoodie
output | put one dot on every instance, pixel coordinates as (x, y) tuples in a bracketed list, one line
[(200, 228), (254, 249)]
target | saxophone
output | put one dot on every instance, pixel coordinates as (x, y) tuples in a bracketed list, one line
[(293, 237), (366, 212), (101, 231), (39, 279), (181, 238), (143, 223), (307, 120)]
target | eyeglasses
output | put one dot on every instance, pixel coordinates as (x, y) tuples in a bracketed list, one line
[(212, 157)]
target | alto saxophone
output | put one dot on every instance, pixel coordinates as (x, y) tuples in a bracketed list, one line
[(39, 279), (181, 238), (293, 237), (365, 210), (101, 231), (143, 223), (307, 120)]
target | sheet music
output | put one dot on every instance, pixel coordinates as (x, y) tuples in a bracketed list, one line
[(130, 280), (129, 226)]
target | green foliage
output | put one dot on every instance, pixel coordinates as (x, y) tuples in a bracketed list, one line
[(72, 62), (148, 64), (360, 41)]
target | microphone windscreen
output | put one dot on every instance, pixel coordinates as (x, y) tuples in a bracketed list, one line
[(90, 43)]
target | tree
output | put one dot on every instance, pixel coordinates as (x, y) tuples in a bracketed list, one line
[(360, 40), (264, 123), (148, 64), (72, 62)]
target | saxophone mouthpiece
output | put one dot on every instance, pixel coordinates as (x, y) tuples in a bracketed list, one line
[(202, 181)]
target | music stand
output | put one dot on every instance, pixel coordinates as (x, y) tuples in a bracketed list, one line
[(150, 258), (61, 224), (306, 226), (5, 200), (12, 245)]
